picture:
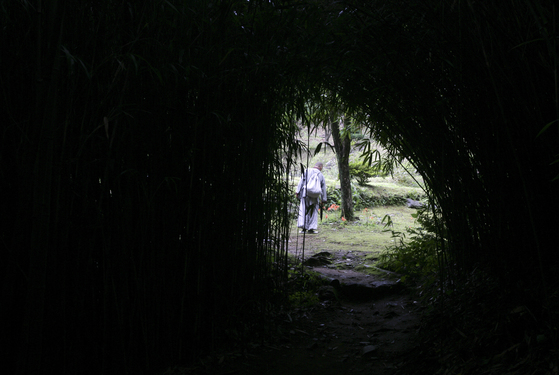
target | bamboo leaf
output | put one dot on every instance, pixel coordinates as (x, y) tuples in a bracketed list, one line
[(546, 127), (318, 147)]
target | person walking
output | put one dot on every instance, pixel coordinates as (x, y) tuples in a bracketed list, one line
[(310, 198)]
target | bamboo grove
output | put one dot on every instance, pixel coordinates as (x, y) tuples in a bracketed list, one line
[(145, 147)]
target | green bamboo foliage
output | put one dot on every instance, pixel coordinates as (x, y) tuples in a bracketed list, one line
[(149, 213), (463, 90)]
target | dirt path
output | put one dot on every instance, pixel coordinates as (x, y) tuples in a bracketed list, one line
[(368, 329), (347, 338), (367, 326)]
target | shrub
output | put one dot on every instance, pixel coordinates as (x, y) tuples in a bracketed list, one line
[(362, 172), (416, 257), (404, 178), (365, 198), (357, 136), (302, 284)]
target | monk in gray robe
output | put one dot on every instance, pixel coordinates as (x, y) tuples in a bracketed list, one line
[(308, 208)]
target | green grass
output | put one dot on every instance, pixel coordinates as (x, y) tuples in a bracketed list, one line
[(367, 235), (380, 185)]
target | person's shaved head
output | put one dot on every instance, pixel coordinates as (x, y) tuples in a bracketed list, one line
[(319, 165)]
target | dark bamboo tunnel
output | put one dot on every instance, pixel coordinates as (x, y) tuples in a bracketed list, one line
[(146, 147)]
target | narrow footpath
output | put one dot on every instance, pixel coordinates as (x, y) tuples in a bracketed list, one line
[(369, 337), (362, 324)]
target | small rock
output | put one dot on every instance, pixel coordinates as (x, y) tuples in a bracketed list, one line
[(369, 350), (326, 292), (320, 259), (390, 315), (413, 204)]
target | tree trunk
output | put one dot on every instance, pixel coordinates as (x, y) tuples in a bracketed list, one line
[(342, 145), (327, 133)]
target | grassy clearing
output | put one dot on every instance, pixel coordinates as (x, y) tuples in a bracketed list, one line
[(368, 234), (359, 244), (387, 186), (356, 245)]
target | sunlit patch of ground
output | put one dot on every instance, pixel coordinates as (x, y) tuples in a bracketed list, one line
[(368, 234)]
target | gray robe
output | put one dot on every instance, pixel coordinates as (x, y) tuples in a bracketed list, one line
[(308, 208)]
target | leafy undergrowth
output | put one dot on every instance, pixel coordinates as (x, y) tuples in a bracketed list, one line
[(469, 326), (416, 252), (379, 192), (476, 329), (475, 325), (302, 285)]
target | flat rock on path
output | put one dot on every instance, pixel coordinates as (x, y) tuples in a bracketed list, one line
[(358, 286), (351, 284)]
